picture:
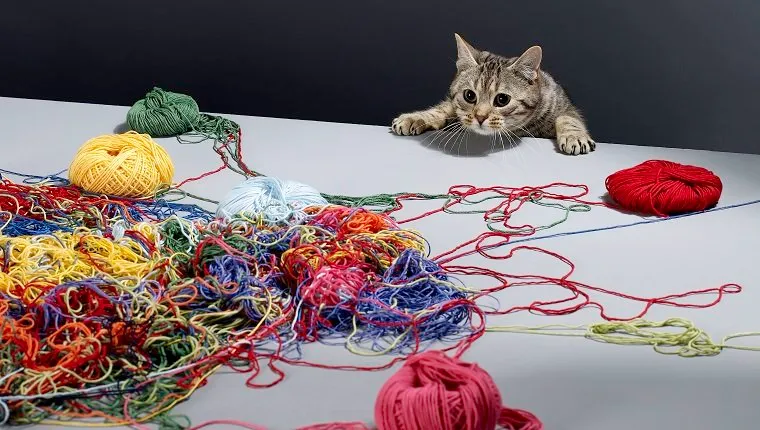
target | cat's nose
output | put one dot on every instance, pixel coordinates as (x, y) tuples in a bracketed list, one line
[(481, 118)]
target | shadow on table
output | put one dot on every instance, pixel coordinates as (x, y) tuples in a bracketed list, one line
[(121, 128), (468, 144), (606, 398)]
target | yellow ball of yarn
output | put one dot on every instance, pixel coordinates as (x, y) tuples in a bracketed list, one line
[(127, 165)]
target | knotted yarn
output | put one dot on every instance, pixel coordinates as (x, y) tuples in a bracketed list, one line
[(662, 188), (435, 391), (275, 199), (163, 113), (126, 165)]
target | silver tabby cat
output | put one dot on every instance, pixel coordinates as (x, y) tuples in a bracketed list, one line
[(492, 94)]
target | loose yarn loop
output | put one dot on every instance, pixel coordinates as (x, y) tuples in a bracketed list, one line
[(662, 188), (163, 113), (277, 200), (434, 391), (126, 165)]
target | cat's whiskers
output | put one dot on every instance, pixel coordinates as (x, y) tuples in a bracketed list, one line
[(517, 147), (448, 132), (465, 133), (531, 135), (438, 133), (503, 146), (526, 131), (453, 136), (493, 143), (501, 141), (466, 141)]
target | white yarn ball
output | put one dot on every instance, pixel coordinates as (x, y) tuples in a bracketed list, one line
[(276, 199)]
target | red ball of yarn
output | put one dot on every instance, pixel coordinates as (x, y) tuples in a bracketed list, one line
[(662, 188), (434, 391)]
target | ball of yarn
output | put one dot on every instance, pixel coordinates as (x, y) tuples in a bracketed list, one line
[(662, 188), (163, 113), (277, 200), (434, 391), (126, 165)]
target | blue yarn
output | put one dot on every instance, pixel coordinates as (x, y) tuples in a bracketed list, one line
[(411, 284), (414, 284), (53, 179), (277, 200), (21, 226), (240, 286), (161, 209), (633, 224), (16, 308)]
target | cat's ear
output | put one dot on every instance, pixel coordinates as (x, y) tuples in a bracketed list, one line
[(466, 54), (529, 63)]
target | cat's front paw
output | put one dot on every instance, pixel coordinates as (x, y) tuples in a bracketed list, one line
[(410, 124), (575, 143)]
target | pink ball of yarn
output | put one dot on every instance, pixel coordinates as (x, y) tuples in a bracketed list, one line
[(434, 391)]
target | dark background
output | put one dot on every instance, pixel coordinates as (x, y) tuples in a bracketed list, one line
[(678, 73)]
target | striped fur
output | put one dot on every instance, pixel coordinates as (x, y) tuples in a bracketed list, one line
[(537, 105)]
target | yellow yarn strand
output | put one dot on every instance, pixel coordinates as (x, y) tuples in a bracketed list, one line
[(36, 262), (127, 165), (686, 340)]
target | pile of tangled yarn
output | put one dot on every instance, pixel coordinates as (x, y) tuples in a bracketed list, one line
[(138, 301)]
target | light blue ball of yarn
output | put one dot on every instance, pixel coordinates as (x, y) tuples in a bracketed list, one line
[(278, 200)]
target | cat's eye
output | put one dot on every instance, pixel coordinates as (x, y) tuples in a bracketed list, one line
[(469, 96), (501, 100)]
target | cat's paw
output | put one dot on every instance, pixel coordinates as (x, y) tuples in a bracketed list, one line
[(410, 124), (575, 143)]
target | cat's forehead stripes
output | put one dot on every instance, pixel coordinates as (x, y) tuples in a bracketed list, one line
[(488, 75)]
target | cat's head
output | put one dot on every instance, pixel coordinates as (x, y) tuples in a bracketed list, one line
[(492, 93)]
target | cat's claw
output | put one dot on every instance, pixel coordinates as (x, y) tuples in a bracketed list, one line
[(575, 143), (409, 125)]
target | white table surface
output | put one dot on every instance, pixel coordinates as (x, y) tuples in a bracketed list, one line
[(571, 384)]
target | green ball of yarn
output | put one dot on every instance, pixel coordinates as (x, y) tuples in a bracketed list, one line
[(163, 113)]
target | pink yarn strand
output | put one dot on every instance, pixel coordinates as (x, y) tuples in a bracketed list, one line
[(337, 426), (518, 419)]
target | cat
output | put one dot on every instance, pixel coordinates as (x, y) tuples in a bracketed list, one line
[(493, 94)]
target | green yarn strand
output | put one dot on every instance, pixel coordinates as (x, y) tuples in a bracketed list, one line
[(381, 203), (211, 127)]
